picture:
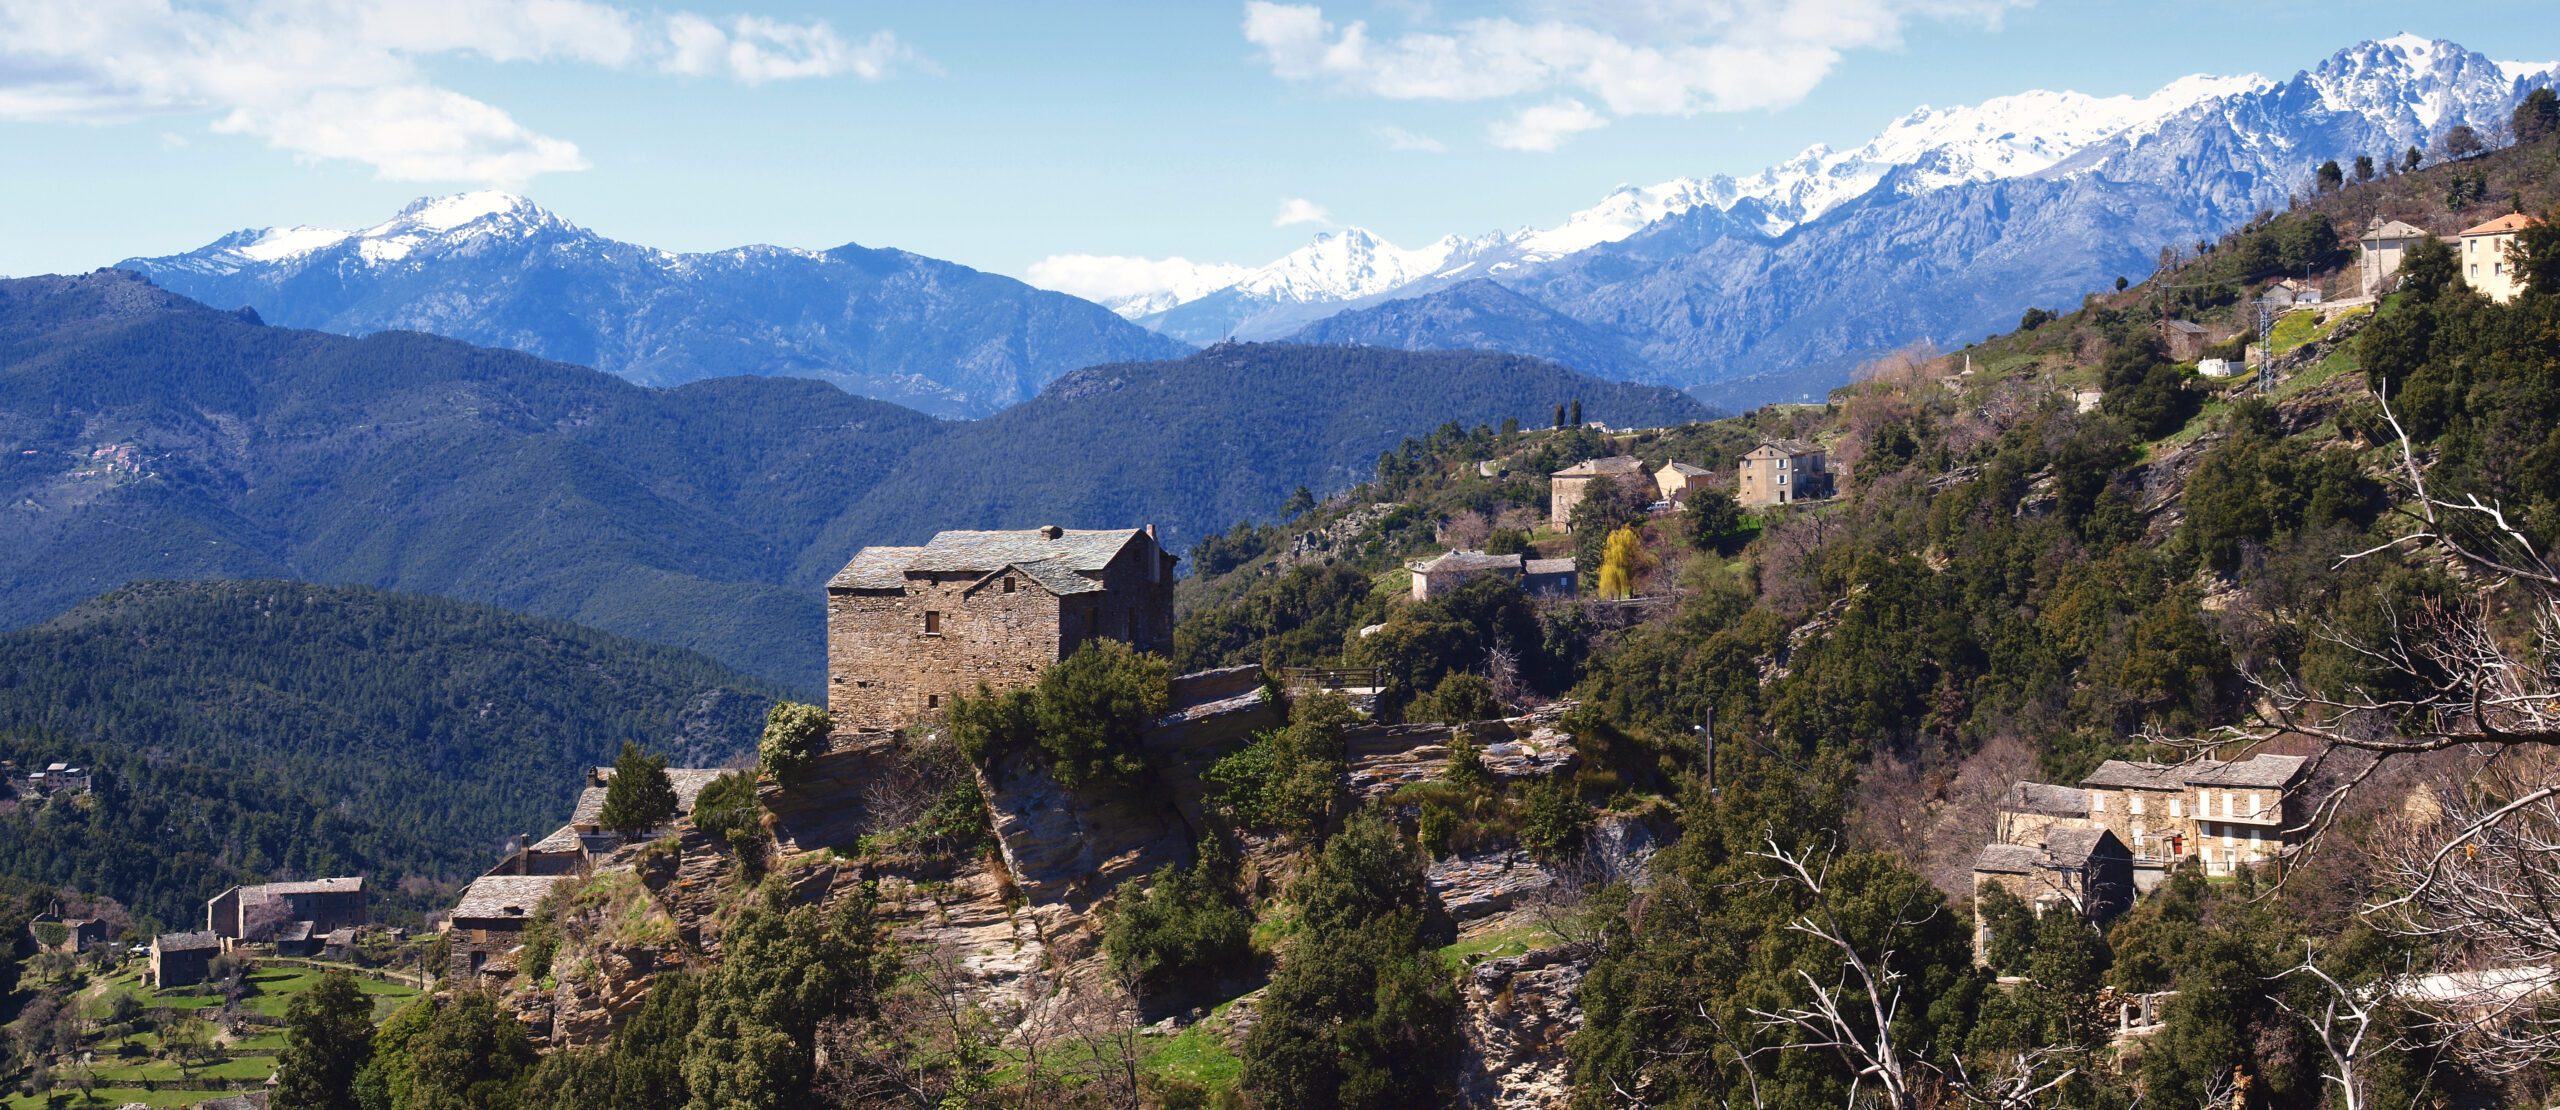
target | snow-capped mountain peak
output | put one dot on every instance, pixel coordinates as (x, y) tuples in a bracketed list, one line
[(424, 222)]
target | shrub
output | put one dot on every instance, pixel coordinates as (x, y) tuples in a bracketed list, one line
[(1553, 818), (1085, 715), (1460, 698), (639, 799), (1186, 930), (792, 733), (1287, 779)]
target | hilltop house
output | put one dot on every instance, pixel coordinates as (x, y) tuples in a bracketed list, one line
[(285, 913), (487, 925), (909, 628), (1567, 487), (572, 846), (1444, 574), (2029, 809), (69, 936), (2482, 253), (2083, 871), (2185, 339), (2224, 813), (2383, 247), (1677, 479), (1780, 471), (182, 959)]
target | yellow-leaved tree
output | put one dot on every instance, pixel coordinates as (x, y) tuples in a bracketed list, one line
[(1621, 562)]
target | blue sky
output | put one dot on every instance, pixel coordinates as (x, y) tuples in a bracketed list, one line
[(1000, 134)]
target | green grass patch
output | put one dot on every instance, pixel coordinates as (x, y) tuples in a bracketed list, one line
[(237, 1067), (1516, 940), (1199, 1055), (114, 1096)]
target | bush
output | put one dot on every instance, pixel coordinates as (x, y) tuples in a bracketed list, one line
[(1554, 818), (639, 799), (1085, 715), (1185, 931), (792, 733), (1460, 698), (1286, 780)]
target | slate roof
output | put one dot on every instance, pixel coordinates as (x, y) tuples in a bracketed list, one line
[(2047, 799), (351, 884), (1685, 468), (1547, 566), (2187, 327), (2511, 222), (1465, 561), (2257, 770), (2128, 774), (1060, 559), (2075, 847), (1593, 468), (186, 942), (2008, 859), (1790, 447), (504, 896)]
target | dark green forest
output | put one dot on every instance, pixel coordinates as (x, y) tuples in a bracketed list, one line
[(242, 731)]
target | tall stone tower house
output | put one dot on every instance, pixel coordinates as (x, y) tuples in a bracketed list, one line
[(909, 628)]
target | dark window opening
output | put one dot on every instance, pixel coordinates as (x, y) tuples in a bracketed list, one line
[(933, 701), (1008, 585), (932, 622)]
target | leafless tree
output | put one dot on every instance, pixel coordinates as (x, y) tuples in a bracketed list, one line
[(932, 1044), (2019, 1081), (1466, 531), (2345, 1025), (2475, 869), (1832, 1020)]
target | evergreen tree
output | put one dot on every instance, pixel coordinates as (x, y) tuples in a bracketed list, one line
[(781, 972), (2410, 162), (2462, 141), (2537, 115), (1362, 1012), (1559, 414), (792, 733), (1300, 500), (1576, 419), (328, 1035), (2364, 167), (2330, 178), (640, 799)]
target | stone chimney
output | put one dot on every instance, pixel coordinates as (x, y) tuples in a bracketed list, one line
[(1051, 531)]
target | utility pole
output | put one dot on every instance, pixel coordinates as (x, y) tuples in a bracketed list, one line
[(1708, 730)]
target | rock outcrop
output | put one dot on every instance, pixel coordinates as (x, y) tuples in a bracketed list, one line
[(1517, 1014)]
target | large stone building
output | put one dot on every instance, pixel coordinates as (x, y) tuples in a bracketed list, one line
[(2225, 814), (2081, 871), (2482, 253), (909, 628), (1781, 471), (1567, 487), (271, 912), (182, 959)]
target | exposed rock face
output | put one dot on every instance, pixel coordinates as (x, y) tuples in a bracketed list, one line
[(1481, 885), (1380, 758), (1517, 1014)]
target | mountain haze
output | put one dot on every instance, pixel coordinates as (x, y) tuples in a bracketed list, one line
[(496, 269), (143, 435)]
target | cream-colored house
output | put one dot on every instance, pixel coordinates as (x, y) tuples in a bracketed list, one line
[(1677, 479), (1566, 487), (2482, 252), (1780, 471), (2384, 245)]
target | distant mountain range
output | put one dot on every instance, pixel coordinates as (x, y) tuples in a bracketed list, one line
[(1940, 229), (144, 435), (496, 269)]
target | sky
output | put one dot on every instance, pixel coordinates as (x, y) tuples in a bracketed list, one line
[(1002, 135)]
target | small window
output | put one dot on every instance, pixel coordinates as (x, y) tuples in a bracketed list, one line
[(933, 701), (2177, 807), (2133, 805), (933, 622), (1008, 585)]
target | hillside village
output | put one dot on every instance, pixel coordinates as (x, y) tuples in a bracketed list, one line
[(1564, 765)]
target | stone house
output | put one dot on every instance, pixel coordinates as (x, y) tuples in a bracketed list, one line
[(69, 936), (2082, 871), (2482, 253), (1442, 575), (2028, 809), (1567, 487), (2185, 339), (2244, 808), (2381, 249), (2290, 293), (1677, 479), (487, 925), (266, 913), (909, 628), (572, 846), (182, 959), (1780, 471), (2223, 813)]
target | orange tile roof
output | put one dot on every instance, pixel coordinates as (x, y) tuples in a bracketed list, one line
[(2513, 221)]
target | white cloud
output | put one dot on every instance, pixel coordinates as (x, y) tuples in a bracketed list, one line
[(1300, 210), (1398, 138), (1542, 127), (1666, 57), (341, 79), (1113, 279)]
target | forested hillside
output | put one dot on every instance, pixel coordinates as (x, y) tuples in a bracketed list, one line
[(245, 730), (145, 436)]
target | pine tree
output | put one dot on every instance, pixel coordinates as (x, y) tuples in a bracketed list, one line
[(1576, 419), (2364, 167), (2537, 116), (2331, 178), (2410, 161), (328, 1035), (639, 799)]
